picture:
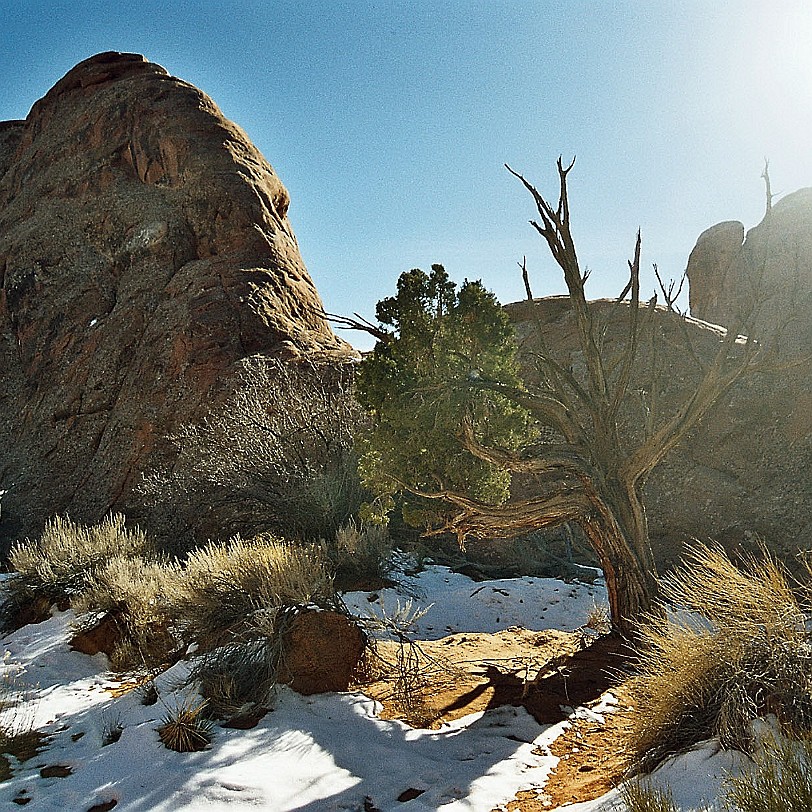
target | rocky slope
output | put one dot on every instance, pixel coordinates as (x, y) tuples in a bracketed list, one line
[(144, 253)]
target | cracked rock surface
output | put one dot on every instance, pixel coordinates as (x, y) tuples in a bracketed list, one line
[(145, 252)]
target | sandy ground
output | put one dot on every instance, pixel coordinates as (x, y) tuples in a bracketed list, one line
[(546, 672)]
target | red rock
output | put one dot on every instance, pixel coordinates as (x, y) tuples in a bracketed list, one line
[(145, 253), (322, 650)]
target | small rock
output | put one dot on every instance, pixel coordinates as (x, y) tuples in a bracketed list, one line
[(410, 794), (56, 771)]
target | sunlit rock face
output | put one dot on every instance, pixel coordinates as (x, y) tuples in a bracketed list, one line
[(761, 283), (144, 253)]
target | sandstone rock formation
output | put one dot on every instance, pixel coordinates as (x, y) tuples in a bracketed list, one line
[(769, 272), (322, 650), (144, 253)]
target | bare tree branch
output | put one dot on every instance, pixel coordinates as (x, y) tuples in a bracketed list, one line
[(358, 323)]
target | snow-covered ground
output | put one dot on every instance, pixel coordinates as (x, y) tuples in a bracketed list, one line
[(312, 754)]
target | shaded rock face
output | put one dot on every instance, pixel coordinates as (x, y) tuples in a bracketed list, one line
[(322, 650), (743, 473), (771, 268), (144, 253)]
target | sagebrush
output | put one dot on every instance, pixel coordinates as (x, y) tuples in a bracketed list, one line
[(225, 587), (360, 551), (137, 593), (62, 562)]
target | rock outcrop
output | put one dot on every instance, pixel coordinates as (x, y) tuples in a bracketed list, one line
[(762, 283), (144, 253)]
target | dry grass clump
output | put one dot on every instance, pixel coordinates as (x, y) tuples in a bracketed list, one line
[(731, 646), (134, 591), (780, 780), (241, 676), (61, 563), (185, 729), (18, 738), (360, 551), (224, 588), (643, 797), (236, 601)]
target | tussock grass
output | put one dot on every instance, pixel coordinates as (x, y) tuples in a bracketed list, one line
[(241, 676), (225, 588), (780, 781), (61, 563), (185, 729), (641, 796), (731, 645)]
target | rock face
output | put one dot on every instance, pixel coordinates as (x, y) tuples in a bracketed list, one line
[(144, 253), (769, 272)]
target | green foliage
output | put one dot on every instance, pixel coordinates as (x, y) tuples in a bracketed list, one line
[(420, 385)]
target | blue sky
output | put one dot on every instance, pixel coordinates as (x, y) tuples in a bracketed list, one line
[(390, 122)]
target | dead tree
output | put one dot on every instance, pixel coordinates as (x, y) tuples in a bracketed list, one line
[(590, 472)]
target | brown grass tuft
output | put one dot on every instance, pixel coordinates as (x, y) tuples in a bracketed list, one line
[(731, 645), (185, 729)]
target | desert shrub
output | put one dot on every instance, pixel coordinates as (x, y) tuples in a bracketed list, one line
[(224, 588), (61, 563), (184, 728), (598, 622), (360, 551), (730, 645), (134, 591), (236, 601), (407, 673), (278, 453), (780, 780)]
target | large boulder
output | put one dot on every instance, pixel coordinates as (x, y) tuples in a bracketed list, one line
[(761, 284), (145, 254)]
